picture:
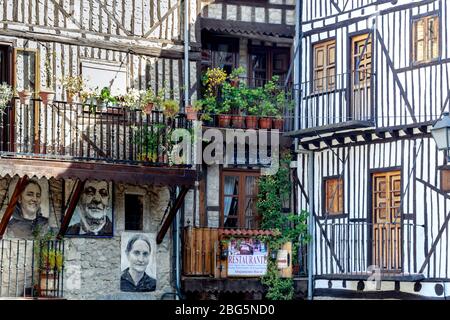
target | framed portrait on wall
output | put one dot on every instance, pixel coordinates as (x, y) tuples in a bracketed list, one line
[(31, 213), (138, 262), (93, 215)]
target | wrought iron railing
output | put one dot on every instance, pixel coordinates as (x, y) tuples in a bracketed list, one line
[(84, 132), (360, 248), (336, 99), (31, 268)]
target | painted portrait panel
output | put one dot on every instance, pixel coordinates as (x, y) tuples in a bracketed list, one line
[(138, 262), (30, 217), (93, 215)]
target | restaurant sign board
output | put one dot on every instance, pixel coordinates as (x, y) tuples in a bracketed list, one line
[(247, 258)]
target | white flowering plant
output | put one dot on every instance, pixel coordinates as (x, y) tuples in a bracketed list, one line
[(6, 94), (132, 97)]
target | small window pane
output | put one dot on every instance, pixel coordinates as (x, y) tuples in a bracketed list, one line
[(334, 200), (134, 212)]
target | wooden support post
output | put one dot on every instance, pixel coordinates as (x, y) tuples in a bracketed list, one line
[(171, 215), (71, 208), (20, 186)]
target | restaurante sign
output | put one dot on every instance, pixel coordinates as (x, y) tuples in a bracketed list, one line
[(247, 257)]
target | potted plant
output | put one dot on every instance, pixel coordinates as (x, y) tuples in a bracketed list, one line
[(234, 76), (47, 94), (213, 80), (131, 98), (6, 94), (51, 264), (74, 86), (192, 110), (105, 98), (150, 99), (254, 98), (170, 108)]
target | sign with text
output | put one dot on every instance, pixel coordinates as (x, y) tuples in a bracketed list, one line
[(247, 258)]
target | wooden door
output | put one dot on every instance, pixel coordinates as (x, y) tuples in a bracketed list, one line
[(361, 76), (386, 218)]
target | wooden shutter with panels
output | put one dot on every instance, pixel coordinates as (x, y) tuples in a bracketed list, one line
[(386, 219), (334, 197), (426, 39), (325, 66)]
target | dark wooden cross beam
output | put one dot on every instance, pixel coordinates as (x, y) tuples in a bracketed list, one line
[(380, 134), (20, 186), (171, 215), (367, 137), (71, 208)]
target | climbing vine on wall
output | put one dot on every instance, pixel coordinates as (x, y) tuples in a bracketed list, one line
[(274, 190)]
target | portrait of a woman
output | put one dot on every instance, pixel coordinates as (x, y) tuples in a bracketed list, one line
[(138, 254), (27, 219)]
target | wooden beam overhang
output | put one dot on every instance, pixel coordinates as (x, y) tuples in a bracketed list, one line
[(360, 137), (171, 215), (331, 128), (125, 173), (78, 188), (20, 186)]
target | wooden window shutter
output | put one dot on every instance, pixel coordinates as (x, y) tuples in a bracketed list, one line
[(445, 180), (324, 65), (426, 39), (334, 196)]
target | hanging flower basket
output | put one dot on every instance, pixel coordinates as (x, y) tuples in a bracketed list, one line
[(24, 96), (47, 97)]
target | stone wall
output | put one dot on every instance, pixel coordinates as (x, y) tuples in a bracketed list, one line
[(93, 265)]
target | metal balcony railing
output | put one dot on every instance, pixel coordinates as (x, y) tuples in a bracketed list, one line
[(360, 248), (336, 99), (31, 268), (84, 132)]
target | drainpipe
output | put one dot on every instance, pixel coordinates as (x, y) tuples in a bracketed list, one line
[(311, 224), (297, 64), (186, 53)]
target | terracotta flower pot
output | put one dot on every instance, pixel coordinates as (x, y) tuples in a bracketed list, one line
[(265, 123), (191, 114), (224, 120), (278, 124), (237, 122), (234, 83), (251, 122), (71, 98), (47, 97), (24, 96), (148, 108)]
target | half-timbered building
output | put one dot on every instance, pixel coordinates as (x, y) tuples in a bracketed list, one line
[(374, 80), (67, 150), (257, 36)]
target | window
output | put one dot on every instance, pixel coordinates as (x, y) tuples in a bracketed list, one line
[(445, 180), (219, 52), (134, 212), (239, 191), (334, 196), (5, 64), (27, 70), (425, 39), (266, 62), (100, 74), (324, 66)]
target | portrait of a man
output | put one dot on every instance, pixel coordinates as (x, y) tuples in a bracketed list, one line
[(93, 214), (31, 214), (138, 263)]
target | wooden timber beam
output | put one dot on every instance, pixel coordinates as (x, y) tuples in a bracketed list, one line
[(78, 189), (171, 215), (20, 186)]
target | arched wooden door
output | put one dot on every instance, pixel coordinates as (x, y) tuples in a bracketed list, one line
[(386, 220)]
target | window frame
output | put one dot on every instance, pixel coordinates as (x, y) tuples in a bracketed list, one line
[(214, 40), (314, 46), (242, 174), (325, 212), (425, 17), (269, 53), (37, 67), (125, 211)]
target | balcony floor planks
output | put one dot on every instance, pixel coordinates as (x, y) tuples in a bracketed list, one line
[(87, 170)]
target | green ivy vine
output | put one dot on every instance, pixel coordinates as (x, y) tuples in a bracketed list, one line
[(274, 190)]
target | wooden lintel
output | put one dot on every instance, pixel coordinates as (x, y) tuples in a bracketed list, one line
[(20, 186), (78, 189), (171, 215)]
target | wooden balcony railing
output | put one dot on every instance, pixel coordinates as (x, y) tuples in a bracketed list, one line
[(79, 132)]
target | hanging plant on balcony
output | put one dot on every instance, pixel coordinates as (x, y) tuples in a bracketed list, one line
[(47, 94), (273, 191), (74, 85), (170, 108), (150, 100), (6, 94)]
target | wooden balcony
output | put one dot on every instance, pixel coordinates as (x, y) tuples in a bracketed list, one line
[(84, 141)]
